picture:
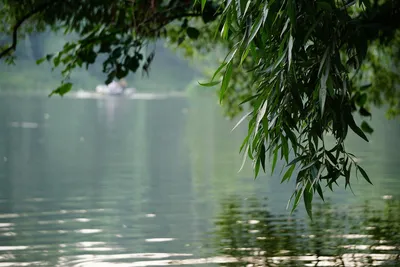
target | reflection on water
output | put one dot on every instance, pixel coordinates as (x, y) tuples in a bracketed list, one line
[(362, 236), (122, 182)]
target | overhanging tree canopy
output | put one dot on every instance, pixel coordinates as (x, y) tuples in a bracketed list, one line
[(304, 66)]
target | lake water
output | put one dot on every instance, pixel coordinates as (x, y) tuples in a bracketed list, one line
[(119, 182)]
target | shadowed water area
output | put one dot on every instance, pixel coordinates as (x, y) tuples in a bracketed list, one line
[(130, 182)]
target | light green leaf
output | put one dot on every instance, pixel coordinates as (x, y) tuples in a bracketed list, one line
[(203, 4), (241, 120), (290, 47), (225, 80), (210, 84)]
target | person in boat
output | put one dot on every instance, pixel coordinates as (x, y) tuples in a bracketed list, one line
[(117, 88)]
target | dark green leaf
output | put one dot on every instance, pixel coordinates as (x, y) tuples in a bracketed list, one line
[(62, 89), (364, 174), (193, 33), (262, 156), (364, 112), (274, 160), (366, 128), (308, 196), (319, 190), (297, 160), (296, 202), (352, 124)]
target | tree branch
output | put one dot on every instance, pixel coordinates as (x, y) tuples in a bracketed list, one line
[(13, 46)]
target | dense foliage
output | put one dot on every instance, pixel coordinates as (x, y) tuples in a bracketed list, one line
[(304, 67)]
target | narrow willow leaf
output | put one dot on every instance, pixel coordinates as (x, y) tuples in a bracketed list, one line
[(225, 28), (257, 168), (255, 29), (244, 158), (245, 141), (293, 162), (290, 47), (285, 27), (308, 166), (262, 156), (218, 70), (297, 199), (308, 197), (247, 7), (352, 124), (260, 114), (319, 190), (364, 174), (265, 13), (241, 120), (322, 89), (274, 160), (225, 81), (210, 84), (244, 55), (203, 4), (285, 149), (288, 173), (323, 60), (231, 54)]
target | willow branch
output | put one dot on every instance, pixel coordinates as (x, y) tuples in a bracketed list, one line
[(17, 25)]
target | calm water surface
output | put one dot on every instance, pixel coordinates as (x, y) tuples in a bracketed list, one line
[(117, 182)]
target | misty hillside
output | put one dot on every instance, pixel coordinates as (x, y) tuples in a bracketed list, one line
[(168, 71)]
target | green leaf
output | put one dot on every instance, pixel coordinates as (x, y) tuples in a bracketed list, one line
[(288, 173), (225, 81), (322, 89), (40, 61), (241, 120), (293, 162), (308, 196), (290, 47), (255, 29), (203, 4), (274, 160), (296, 202), (364, 112), (366, 128), (218, 70), (262, 156), (324, 6), (319, 190), (352, 124), (364, 174), (209, 84), (49, 57), (193, 33), (361, 100), (62, 89), (285, 149)]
